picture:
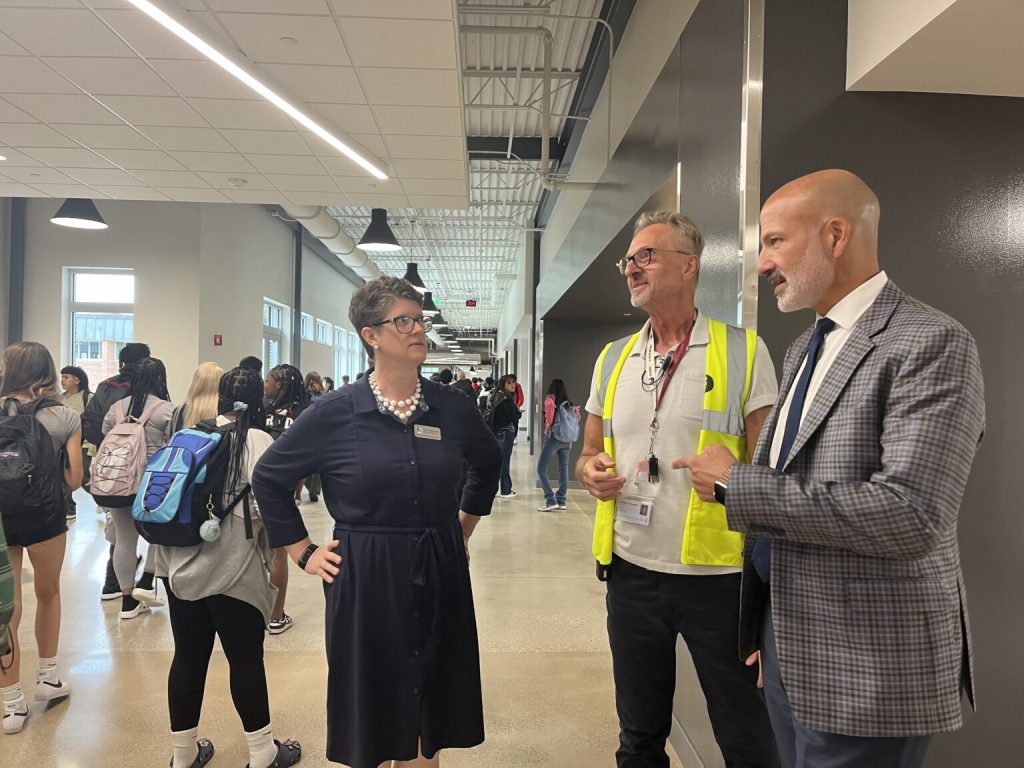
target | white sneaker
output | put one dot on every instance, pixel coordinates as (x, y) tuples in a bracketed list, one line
[(131, 613), (509, 495), (148, 596), (280, 626), (50, 687), (547, 507), (15, 714), (561, 506)]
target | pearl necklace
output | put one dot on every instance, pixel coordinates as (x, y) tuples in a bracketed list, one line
[(400, 409)]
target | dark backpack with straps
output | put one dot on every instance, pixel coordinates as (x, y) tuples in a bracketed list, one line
[(31, 493)]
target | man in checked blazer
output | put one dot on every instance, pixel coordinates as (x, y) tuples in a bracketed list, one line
[(850, 505)]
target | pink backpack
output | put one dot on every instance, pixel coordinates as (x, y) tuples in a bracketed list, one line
[(120, 460)]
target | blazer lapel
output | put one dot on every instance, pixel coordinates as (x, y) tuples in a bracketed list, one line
[(857, 346)]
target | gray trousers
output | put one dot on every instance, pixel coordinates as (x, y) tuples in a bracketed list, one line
[(803, 747), (122, 534)]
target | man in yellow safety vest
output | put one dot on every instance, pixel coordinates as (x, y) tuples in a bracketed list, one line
[(681, 383)]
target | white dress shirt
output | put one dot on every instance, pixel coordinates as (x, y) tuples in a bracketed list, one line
[(845, 314)]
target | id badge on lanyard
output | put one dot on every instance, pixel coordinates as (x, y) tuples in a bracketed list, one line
[(649, 464)]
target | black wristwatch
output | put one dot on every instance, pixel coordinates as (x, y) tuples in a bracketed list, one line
[(306, 554), (720, 488)]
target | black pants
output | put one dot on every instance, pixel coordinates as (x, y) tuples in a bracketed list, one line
[(647, 611), (240, 628)]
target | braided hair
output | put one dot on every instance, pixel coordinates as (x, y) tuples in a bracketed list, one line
[(148, 378), (240, 392), (293, 389)]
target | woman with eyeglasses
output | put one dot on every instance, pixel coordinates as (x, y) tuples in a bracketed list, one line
[(403, 660)]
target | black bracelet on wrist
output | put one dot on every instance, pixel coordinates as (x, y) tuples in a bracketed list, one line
[(306, 554)]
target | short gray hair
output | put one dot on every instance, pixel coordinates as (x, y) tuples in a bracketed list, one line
[(370, 304), (684, 225)]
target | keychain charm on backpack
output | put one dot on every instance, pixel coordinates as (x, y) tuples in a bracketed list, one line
[(210, 530)]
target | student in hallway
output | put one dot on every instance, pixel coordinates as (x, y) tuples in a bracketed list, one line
[(561, 430), (201, 401), (75, 384), (35, 522), (503, 416)]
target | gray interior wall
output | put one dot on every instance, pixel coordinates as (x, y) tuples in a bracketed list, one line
[(949, 171), (5, 276)]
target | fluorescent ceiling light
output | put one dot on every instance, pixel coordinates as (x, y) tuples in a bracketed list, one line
[(223, 61), (2, 158)]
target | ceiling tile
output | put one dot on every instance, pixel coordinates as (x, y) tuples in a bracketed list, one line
[(439, 147), (264, 38), (106, 136), (222, 162), (132, 193), (32, 135), (446, 203), (154, 110), (170, 178), (396, 9), (61, 32), (201, 78), (401, 43), (142, 159), (69, 190), (302, 182), (255, 196), (380, 201), (104, 176), (312, 82), (19, 74), (253, 181), (10, 189), (411, 87), (420, 121), (430, 169), (14, 157), (287, 164), (270, 6), (11, 114), (64, 108), (343, 168), (188, 139), (149, 39), (122, 77), (235, 113), (370, 186), (351, 118), (10, 48), (370, 142), (267, 142), (434, 187), (77, 157), (319, 198), (195, 195), (38, 175)]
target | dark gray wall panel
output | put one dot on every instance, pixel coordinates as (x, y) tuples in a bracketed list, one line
[(949, 171)]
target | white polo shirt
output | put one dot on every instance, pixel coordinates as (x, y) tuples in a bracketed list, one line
[(657, 546)]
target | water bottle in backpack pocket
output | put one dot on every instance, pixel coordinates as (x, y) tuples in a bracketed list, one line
[(121, 458), (31, 477), (180, 502)]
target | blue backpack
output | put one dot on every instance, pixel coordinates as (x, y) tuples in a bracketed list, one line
[(183, 488), (566, 428)]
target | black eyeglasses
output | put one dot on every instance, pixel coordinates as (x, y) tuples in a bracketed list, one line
[(643, 257), (404, 323)]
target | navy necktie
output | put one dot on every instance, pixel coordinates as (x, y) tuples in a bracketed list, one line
[(762, 554)]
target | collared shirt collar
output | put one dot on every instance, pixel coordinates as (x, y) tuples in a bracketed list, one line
[(849, 309), (365, 402), (700, 337)]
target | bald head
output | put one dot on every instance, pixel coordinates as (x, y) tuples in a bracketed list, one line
[(830, 217)]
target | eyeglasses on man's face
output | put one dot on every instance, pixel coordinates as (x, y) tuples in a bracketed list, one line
[(405, 323), (643, 257)]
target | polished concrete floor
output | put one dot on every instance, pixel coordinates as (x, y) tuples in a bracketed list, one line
[(548, 694)]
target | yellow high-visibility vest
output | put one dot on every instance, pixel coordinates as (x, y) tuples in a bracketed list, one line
[(707, 539)]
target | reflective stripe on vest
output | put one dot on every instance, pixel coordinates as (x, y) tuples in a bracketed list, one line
[(707, 539)]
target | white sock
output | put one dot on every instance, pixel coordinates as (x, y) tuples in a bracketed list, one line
[(185, 749), (47, 668), (262, 749), (11, 692)]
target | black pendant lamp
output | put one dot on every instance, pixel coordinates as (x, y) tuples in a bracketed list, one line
[(439, 322), (79, 213), (412, 274), (429, 307), (378, 236)]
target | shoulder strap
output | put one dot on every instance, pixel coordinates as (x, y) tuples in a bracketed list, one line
[(147, 411), (85, 400)]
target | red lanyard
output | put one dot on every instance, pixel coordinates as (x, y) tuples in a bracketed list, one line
[(677, 358)]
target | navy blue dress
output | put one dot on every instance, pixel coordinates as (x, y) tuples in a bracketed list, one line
[(403, 658)]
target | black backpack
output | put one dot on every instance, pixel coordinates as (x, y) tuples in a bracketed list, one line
[(496, 398), (31, 476)]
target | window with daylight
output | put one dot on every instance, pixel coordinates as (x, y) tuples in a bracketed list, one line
[(356, 355), (274, 336), (101, 312), (306, 327), (323, 332), (340, 354)]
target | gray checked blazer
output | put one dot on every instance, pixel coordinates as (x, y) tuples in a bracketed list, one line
[(867, 595)]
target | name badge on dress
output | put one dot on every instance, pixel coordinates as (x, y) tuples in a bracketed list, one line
[(427, 433), (634, 509)]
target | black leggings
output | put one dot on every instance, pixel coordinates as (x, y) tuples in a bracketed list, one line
[(240, 628)]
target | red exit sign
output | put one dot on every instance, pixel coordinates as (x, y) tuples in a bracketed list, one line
[(470, 302)]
